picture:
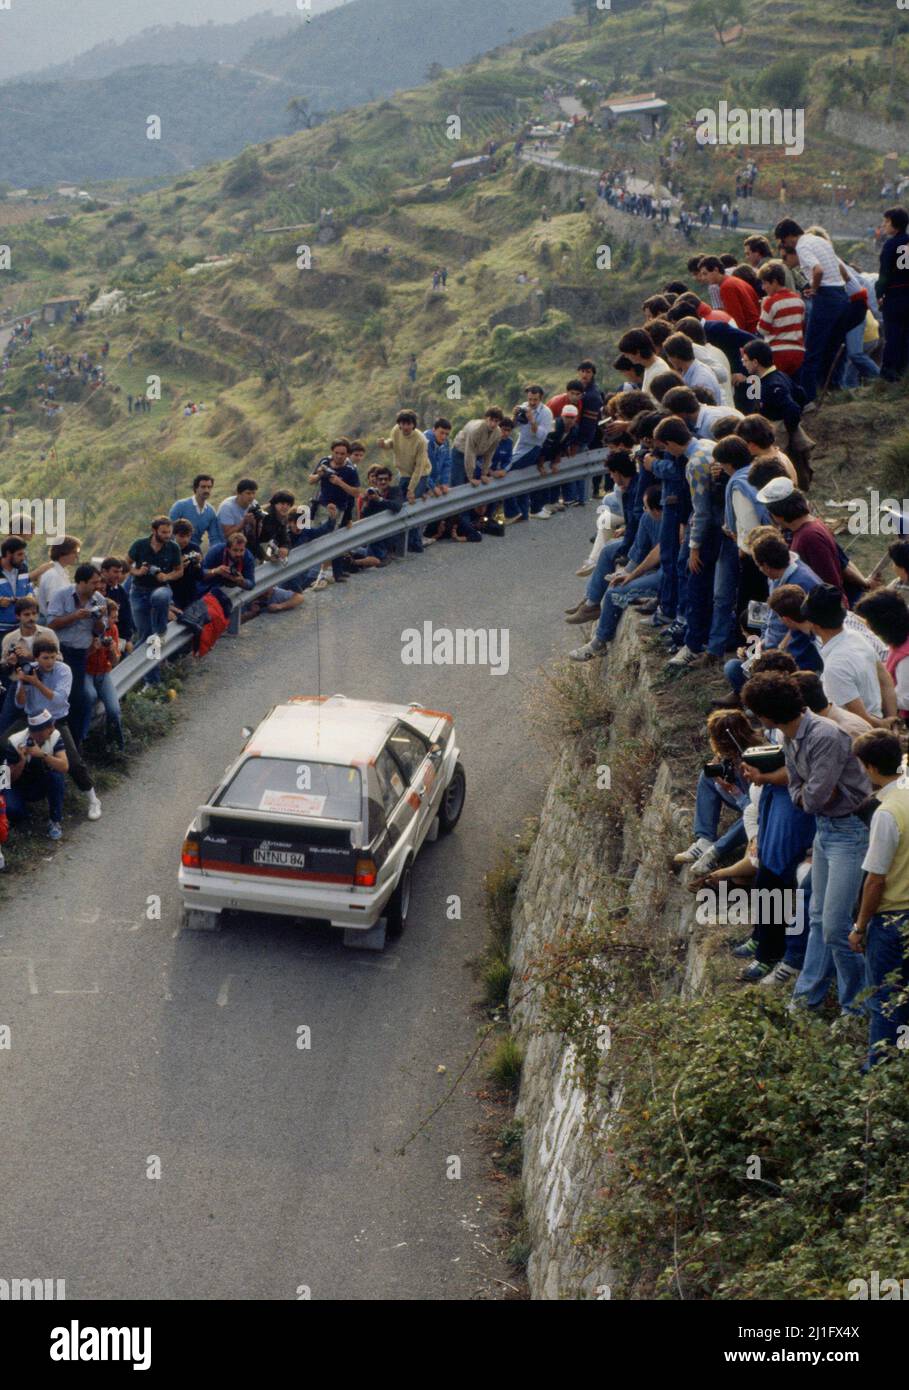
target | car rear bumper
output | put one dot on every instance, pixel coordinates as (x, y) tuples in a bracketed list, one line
[(356, 909)]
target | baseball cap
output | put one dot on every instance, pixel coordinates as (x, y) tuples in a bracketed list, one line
[(569, 411), (776, 490), (41, 720)]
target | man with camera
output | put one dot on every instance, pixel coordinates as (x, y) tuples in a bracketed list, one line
[(39, 770), (48, 684), (186, 587), (339, 482), (16, 648), (77, 614), (239, 513), (533, 422), (381, 496), (155, 562)]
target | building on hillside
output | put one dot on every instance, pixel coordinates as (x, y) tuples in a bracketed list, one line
[(56, 310), (464, 170), (646, 109)]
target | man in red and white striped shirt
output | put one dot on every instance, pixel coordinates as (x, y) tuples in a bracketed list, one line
[(782, 320)]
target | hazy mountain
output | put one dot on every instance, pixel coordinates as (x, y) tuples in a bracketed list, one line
[(95, 128)]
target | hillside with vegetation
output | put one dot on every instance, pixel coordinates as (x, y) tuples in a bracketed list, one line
[(287, 346)]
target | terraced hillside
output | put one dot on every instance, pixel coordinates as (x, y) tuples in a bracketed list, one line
[(298, 333)]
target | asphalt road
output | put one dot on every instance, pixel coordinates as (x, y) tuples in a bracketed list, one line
[(133, 1041)]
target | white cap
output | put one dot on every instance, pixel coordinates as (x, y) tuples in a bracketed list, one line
[(40, 720), (776, 490), (570, 410)]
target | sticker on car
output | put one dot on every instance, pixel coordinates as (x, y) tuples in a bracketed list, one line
[(292, 803)]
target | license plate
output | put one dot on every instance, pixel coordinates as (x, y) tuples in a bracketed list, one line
[(280, 858)]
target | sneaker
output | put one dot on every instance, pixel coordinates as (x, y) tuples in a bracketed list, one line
[(694, 851), (54, 830), (319, 584), (660, 619), (585, 614), (542, 515), (683, 657), (94, 806), (755, 973), (781, 974), (575, 606), (705, 865), (588, 567), (510, 520), (746, 950), (429, 540), (589, 651), (557, 507)]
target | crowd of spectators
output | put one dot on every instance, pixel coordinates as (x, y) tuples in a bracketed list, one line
[(705, 526)]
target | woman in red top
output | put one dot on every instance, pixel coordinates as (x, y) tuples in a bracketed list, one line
[(103, 655)]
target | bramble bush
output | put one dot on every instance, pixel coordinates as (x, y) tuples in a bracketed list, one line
[(749, 1159)]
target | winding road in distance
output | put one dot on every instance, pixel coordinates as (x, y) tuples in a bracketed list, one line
[(132, 1041)]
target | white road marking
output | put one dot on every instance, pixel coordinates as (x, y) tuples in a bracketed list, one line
[(224, 991), (93, 990), (32, 978)]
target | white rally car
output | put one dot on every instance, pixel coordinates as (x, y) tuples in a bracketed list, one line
[(322, 816)]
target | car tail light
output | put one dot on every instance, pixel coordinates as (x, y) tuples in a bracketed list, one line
[(365, 873), (191, 857)]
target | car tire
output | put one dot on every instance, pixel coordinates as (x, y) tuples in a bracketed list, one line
[(399, 903), (452, 803), (195, 919)]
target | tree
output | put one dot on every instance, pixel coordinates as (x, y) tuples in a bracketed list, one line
[(719, 14), (299, 114), (589, 8), (434, 72)]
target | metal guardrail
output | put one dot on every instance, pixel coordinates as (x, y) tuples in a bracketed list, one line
[(177, 640)]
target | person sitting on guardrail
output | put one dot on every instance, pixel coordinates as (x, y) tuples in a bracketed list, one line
[(156, 561), (640, 578), (186, 588), (382, 495), (39, 770), (301, 533), (228, 568)]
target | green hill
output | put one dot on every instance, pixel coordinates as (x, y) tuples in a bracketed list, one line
[(283, 357)]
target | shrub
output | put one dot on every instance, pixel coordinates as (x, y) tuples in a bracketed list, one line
[(506, 1062)]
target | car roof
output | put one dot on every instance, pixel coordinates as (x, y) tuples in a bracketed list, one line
[(333, 728)]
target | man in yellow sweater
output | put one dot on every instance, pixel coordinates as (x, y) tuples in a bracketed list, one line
[(411, 455), (881, 928)]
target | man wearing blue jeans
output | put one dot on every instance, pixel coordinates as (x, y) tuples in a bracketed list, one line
[(533, 422), (641, 579), (154, 561), (826, 780), (829, 301), (671, 439), (881, 928), (624, 474)]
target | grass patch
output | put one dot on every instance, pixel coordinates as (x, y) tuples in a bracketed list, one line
[(505, 1064)]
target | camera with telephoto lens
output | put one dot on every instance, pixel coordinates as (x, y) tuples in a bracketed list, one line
[(255, 509), (27, 668), (723, 768)]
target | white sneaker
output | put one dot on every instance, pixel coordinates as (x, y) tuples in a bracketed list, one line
[(694, 851), (588, 567), (589, 651), (781, 974), (94, 806), (683, 657), (542, 515), (705, 865)]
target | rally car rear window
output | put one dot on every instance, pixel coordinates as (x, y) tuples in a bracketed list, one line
[(293, 787)]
